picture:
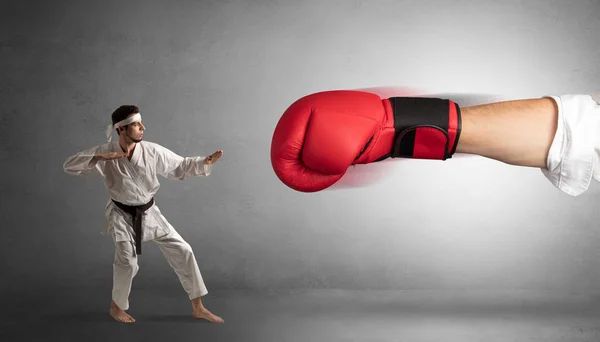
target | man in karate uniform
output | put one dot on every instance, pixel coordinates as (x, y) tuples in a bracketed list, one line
[(129, 168)]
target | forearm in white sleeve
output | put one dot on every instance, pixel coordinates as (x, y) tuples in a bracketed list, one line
[(171, 165), (82, 162), (190, 167)]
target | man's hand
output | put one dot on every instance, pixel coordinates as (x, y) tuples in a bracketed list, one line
[(213, 157), (109, 156)]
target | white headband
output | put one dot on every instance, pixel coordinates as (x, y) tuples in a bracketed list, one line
[(109, 128)]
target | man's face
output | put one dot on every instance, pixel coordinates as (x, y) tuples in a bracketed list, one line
[(135, 131)]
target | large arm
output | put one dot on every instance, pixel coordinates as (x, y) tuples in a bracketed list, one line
[(173, 166)]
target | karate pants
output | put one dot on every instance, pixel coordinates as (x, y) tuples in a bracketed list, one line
[(179, 255)]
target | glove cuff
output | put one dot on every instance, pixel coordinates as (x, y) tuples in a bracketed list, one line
[(425, 128)]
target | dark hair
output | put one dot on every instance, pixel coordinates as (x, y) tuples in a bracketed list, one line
[(123, 112)]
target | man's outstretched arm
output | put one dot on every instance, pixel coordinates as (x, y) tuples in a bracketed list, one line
[(320, 135), (558, 134), (173, 166), (516, 132)]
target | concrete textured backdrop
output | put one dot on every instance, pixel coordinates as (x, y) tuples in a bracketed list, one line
[(214, 75)]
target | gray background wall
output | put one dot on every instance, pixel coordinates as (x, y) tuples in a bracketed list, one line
[(214, 75)]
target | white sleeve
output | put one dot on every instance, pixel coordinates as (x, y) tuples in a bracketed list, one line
[(81, 163), (171, 165), (575, 149)]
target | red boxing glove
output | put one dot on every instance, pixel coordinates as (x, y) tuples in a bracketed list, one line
[(320, 135)]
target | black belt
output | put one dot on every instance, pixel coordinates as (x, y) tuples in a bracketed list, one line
[(136, 212)]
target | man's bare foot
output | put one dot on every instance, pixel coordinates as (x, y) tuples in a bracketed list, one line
[(120, 315), (202, 313)]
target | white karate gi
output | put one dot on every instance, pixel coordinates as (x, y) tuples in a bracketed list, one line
[(574, 157), (135, 182)]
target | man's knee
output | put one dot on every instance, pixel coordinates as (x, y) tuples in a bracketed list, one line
[(125, 255), (186, 249)]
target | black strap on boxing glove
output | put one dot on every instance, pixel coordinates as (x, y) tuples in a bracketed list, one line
[(413, 114)]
